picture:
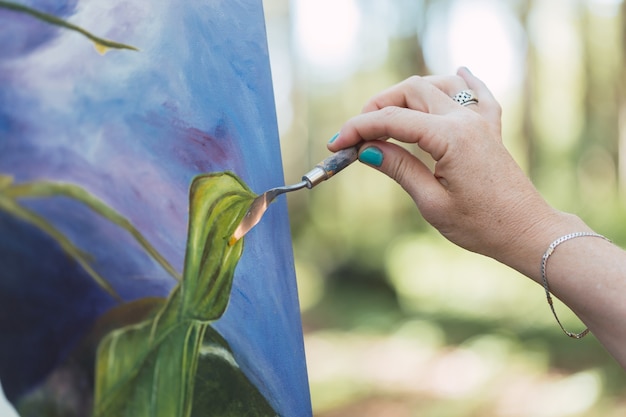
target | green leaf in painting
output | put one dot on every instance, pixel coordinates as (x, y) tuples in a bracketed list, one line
[(11, 192), (221, 388), (10, 206), (102, 45), (39, 189), (150, 369)]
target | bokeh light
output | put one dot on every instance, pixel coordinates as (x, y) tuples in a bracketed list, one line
[(326, 35), (398, 321), (483, 35)]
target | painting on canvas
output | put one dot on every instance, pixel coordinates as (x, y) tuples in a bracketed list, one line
[(133, 135)]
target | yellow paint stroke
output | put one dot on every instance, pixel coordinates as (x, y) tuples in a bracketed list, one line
[(101, 48), (102, 45)]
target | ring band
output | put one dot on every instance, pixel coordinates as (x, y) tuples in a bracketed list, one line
[(465, 98)]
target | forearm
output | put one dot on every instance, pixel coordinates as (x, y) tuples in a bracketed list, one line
[(587, 273)]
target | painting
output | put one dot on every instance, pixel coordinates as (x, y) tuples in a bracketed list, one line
[(133, 138)]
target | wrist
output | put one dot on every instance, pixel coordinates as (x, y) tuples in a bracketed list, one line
[(528, 246)]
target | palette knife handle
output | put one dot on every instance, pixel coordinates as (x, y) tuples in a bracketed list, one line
[(330, 166)]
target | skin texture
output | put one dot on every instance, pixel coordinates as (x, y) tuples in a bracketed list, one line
[(476, 195)]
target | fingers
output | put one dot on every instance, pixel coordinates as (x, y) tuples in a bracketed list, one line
[(404, 113), (416, 93), (406, 169), (487, 104), (420, 110), (450, 85), (402, 124)]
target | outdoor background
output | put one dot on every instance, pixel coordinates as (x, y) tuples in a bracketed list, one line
[(398, 321)]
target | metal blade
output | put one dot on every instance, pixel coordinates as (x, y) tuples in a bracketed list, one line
[(258, 208)]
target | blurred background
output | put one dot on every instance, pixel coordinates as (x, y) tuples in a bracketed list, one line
[(398, 321)]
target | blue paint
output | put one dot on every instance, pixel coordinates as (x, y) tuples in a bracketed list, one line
[(44, 299), (134, 128)]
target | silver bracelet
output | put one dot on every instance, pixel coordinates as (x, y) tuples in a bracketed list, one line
[(544, 262)]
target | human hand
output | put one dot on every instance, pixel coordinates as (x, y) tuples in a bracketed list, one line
[(476, 196), (480, 199)]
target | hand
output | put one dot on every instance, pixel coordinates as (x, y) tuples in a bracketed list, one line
[(476, 196), (480, 199)]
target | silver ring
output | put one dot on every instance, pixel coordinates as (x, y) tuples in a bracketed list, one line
[(465, 98)]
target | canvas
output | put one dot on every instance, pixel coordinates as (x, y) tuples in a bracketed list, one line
[(115, 118)]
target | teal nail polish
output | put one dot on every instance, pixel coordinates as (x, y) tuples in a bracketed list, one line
[(372, 156), (334, 138)]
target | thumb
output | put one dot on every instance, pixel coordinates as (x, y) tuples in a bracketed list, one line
[(405, 168)]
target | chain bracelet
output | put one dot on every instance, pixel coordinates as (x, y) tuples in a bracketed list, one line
[(544, 277)]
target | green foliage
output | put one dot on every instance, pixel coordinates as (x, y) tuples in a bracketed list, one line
[(9, 204), (162, 357), (40, 189), (10, 193), (151, 369), (221, 389)]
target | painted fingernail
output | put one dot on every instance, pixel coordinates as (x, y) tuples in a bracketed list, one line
[(372, 156), (334, 138)]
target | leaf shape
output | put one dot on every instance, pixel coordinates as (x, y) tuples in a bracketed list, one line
[(102, 45), (150, 369), (10, 206), (38, 189), (10, 192), (221, 388), (217, 205), (66, 391), (137, 375)]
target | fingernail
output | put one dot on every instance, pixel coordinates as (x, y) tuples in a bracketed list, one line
[(334, 138), (372, 156)]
